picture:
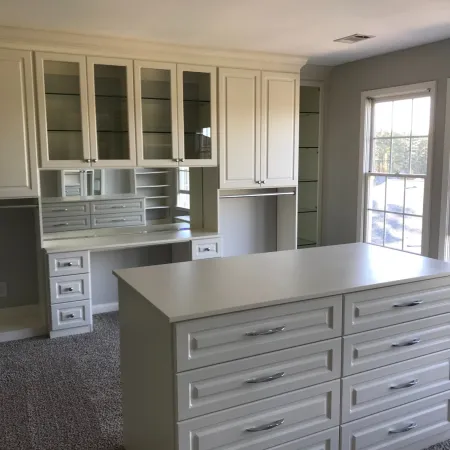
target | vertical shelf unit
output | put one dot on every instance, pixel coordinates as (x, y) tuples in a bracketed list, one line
[(157, 186), (309, 177)]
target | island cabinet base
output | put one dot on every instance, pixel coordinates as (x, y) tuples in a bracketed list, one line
[(273, 377)]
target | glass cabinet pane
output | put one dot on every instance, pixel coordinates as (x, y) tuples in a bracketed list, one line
[(63, 110), (197, 115), (111, 112)]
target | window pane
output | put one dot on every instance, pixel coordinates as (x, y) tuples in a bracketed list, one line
[(401, 121), (376, 192), (393, 233), (414, 196), (395, 193), (381, 155), (413, 234), (419, 155), (375, 227), (421, 116), (382, 119), (400, 155)]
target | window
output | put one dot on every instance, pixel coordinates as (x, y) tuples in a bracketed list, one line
[(397, 137), (183, 195)]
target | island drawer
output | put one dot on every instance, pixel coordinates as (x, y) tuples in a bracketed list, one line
[(414, 426), (380, 389), (206, 248), (325, 440), (222, 386), (63, 209), (376, 308), (377, 348), (227, 337), (68, 263), (118, 220), (266, 423), (117, 206), (70, 288), (70, 315), (71, 223)]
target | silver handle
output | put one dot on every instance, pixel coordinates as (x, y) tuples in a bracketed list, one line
[(181, 160), (61, 224), (263, 182), (405, 385), (94, 160), (407, 343), (206, 249), (175, 160), (265, 427), (60, 210), (406, 305), (87, 160), (68, 264), (410, 427), (273, 377), (266, 332), (70, 316), (116, 207), (69, 289), (118, 220), (258, 182)]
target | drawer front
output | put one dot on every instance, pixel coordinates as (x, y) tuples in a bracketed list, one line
[(374, 349), (222, 386), (326, 440), (68, 263), (408, 426), (71, 315), (378, 390), (70, 288), (55, 224), (376, 308), (117, 206), (264, 424), (118, 220), (206, 248), (214, 340), (64, 209)]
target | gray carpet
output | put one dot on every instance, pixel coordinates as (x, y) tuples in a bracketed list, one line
[(64, 394)]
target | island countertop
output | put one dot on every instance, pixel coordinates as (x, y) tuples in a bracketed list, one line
[(192, 290)]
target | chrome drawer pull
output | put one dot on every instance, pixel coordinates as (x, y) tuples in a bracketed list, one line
[(116, 207), (69, 289), (60, 210), (273, 377), (70, 316), (266, 427), (61, 224), (407, 343), (206, 249), (406, 305), (266, 332), (410, 427), (118, 220), (405, 385), (68, 264)]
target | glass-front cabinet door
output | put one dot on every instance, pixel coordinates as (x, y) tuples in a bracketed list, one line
[(111, 112), (197, 115), (156, 114), (63, 110)]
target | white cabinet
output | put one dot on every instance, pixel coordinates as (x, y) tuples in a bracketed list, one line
[(18, 165), (259, 115)]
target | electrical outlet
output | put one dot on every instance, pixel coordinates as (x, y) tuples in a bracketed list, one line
[(3, 289)]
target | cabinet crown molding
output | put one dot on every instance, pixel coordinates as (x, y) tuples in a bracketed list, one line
[(99, 45)]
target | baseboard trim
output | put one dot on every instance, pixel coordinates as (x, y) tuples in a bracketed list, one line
[(24, 333), (70, 331), (105, 308)]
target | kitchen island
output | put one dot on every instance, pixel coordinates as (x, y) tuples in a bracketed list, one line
[(335, 347)]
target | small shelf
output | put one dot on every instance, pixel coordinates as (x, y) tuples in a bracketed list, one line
[(307, 210), (153, 186), (63, 93), (305, 242), (152, 173), (308, 113), (112, 131), (157, 132), (157, 197), (64, 131), (306, 180), (309, 148), (157, 207)]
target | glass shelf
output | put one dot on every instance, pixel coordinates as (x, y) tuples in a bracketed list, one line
[(308, 112), (312, 148), (306, 210), (112, 131), (62, 131), (305, 242), (307, 181), (63, 93)]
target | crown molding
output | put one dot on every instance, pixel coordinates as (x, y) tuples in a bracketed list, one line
[(64, 42)]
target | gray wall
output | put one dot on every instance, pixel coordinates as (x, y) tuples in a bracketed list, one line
[(342, 131)]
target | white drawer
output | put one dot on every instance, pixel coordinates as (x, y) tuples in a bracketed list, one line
[(117, 206), (70, 288), (118, 220), (68, 263), (70, 315), (380, 389), (57, 224), (63, 209), (377, 348), (264, 424), (213, 340), (206, 248), (222, 386), (414, 426), (325, 440), (376, 308)]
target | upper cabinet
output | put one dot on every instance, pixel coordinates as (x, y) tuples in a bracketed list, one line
[(18, 147), (259, 116)]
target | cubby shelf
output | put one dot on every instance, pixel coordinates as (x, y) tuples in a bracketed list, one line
[(305, 242)]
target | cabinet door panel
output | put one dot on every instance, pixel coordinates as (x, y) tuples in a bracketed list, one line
[(240, 119), (18, 166), (279, 128)]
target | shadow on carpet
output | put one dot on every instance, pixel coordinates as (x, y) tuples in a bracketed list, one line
[(62, 394)]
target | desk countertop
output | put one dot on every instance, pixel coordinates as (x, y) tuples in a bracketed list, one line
[(216, 286)]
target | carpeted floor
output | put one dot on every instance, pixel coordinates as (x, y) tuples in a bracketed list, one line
[(64, 394)]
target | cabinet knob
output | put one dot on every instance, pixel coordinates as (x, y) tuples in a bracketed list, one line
[(87, 160), (68, 264), (94, 160), (69, 289), (70, 316), (263, 182), (175, 159), (181, 160)]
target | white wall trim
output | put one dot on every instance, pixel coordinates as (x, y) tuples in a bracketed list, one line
[(63, 42), (105, 308)]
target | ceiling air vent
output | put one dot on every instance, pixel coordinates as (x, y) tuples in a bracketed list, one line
[(354, 38)]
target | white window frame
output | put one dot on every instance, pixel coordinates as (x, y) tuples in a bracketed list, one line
[(367, 98)]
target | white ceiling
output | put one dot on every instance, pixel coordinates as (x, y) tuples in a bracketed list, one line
[(298, 27)]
